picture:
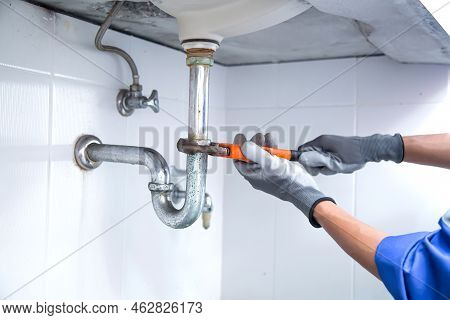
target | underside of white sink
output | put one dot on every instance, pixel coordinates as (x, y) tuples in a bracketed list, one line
[(272, 31), (218, 19)]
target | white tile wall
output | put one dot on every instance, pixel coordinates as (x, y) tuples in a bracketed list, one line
[(383, 81), (326, 82), (55, 86), (270, 251), (27, 31)]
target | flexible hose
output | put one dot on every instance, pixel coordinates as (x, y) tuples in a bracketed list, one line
[(101, 32)]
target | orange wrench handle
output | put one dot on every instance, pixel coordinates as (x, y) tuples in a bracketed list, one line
[(236, 153)]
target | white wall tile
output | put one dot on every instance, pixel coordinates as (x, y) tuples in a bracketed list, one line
[(75, 55), (24, 107), (95, 199), (381, 80), (24, 119), (248, 249), (367, 287), (23, 231), (217, 87), (252, 86), (317, 83), (65, 215), (161, 69), (82, 108), (103, 210), (304, 256), (26, 30)]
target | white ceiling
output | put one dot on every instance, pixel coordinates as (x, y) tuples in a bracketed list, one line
[(401, 29)]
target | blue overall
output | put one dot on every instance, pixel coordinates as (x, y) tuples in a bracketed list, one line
[(417, 265)]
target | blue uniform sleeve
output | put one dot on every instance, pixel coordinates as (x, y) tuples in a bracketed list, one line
[(417, 265)]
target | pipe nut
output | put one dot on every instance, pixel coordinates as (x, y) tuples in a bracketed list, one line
[(207, 61)]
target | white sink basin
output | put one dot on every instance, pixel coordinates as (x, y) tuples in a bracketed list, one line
[(217, 19)]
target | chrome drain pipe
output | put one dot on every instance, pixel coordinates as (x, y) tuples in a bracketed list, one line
[(199, 61), (90, 152)]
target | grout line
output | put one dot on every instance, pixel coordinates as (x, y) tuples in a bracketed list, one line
[(294, 61), (11, 66), (125, 231), (294, 108), (363, 105), (84, 81), (49, 154)]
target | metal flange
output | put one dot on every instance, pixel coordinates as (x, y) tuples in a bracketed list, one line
[(80, 154), (121, 103)]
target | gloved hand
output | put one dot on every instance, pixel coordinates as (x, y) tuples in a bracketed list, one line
[(281, 178), (330, 154)]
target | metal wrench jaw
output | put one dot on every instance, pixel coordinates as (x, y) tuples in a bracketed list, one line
[(193, 147)]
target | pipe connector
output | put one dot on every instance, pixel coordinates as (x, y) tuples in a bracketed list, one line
[(199, 56)]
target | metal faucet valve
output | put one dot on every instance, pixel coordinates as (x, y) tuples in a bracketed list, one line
[(128, 100)]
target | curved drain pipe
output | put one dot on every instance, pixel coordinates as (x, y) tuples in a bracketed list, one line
[(90, 152)]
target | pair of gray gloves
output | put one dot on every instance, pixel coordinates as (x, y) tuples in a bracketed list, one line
[(327, 154)]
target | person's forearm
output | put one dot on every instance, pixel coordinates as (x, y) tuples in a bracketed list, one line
[(432, 150), (357, 239)]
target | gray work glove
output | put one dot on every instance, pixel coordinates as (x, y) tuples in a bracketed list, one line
[(281, 178), (330, 154)]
